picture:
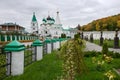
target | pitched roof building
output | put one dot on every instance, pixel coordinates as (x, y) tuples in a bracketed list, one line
[(11, 27)]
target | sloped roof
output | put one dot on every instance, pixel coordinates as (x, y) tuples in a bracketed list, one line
[(34, 17)]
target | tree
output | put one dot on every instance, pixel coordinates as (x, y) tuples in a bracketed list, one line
[(79, 27), (108, 23), (118, 24), (97, 27), (63, 35)]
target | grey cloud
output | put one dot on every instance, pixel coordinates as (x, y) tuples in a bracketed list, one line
[(72, 12)]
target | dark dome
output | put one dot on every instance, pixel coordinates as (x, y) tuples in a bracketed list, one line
[(49, 18), (44, 20)]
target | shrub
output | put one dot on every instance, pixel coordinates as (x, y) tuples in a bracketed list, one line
[(105, 48), (63, 35), (91, 54), (110, 75), (76, 36), (114, 55), (72, 55), (108, 59), (100, 65)]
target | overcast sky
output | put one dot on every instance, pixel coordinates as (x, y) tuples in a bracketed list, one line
[(72, 12)]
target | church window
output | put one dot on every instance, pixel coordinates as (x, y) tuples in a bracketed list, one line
[(46, 32), (56, 33), (33, 24)]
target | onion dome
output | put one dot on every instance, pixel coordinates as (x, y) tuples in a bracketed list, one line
[(53, 19), (44, 20), (49, 18)]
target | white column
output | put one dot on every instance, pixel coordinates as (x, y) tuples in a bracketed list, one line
[(54, 46), (7, 28), (25, 38), (39, 52), (22, 37), (15, 37), (49, 48), (28, 37), (57, 45), (5, 37), (19, 37), (17, 64), (10, 37)]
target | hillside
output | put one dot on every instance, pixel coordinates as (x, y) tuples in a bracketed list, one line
[(110, 23)]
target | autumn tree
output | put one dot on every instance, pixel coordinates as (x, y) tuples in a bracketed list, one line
[(118, 24), (108, 23)]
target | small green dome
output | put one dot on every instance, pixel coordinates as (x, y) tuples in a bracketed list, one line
[(53, 19), (44, 20)]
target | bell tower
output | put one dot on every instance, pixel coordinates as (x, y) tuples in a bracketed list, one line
[(57, 21), (34, 24)]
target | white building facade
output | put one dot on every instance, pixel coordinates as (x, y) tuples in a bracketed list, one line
[(50, 27)]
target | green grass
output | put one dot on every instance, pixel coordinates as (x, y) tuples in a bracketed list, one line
[(46, 69), (2, 62), (94, 74), (51, 67), (110, 43)]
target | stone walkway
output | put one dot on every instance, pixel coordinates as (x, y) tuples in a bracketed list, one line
[(94, 47)]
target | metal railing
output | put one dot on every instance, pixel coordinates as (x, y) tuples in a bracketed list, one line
[(5, 65), (52, 46), (44, 48), (29, 55)]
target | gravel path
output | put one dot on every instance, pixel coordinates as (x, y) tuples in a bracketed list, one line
[(94, 47)]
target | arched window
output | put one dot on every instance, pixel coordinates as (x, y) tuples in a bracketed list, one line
[(56, 32), (46, 32), (33, 24)]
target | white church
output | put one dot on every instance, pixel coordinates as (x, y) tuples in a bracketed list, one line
[(50, 27)]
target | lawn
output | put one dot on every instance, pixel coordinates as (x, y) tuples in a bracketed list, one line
[(51, 67), (110, 43), (46, 69)]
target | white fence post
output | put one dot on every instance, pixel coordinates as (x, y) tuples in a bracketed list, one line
[(39, 47), (17, 57), (49, 47)]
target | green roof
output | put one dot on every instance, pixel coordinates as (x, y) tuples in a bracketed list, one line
[(44, 20), (37, 43), (53, 40), (48, 41), (34, 17), (66, 29), (14, 46)]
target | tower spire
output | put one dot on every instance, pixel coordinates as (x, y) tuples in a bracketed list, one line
[(34, 24), (57, 21), (34, 17)]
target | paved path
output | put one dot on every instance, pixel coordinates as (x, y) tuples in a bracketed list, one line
[(92, 46)]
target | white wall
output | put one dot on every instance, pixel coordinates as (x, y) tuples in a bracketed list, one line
[(106, 34)]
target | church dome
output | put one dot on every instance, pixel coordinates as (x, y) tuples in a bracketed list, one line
[(44, 20), (49, 18), (53, 19)]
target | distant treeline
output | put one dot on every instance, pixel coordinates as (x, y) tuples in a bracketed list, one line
[(110, 23)]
